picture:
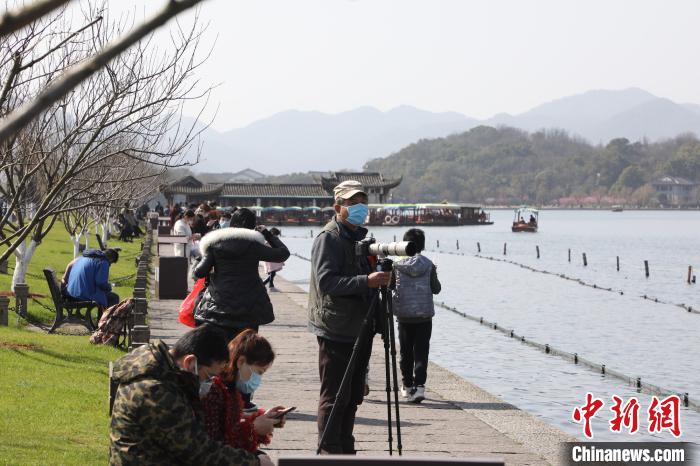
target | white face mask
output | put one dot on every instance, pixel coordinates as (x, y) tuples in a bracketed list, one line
[(204, 386)]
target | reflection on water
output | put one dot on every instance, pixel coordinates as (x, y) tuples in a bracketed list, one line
[(656, 342)]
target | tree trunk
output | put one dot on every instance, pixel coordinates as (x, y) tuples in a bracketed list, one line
[(23, 256), (75, 239), (105, 231), (87, 238)]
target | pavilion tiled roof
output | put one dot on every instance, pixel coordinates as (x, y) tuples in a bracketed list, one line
[(368, 180), (189, 186), (673, 180), (205, 189), (273, 190)]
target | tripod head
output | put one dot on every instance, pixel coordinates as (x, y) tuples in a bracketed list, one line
[(385, 264)]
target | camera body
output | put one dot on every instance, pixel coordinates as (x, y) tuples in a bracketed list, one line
[(370, 247)]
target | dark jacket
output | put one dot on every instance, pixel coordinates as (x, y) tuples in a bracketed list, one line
[(338, 291), (153, 420), (236, 297), (200, 225)]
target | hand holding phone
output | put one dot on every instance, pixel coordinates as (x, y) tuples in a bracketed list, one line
[(283, 412)]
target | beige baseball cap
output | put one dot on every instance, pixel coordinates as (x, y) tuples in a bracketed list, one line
[(348, 189)]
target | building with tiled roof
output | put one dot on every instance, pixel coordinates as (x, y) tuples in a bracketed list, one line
[(189, 190), (676, 191), (376, 186)]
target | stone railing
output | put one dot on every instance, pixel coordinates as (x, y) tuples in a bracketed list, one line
[(139, 331)]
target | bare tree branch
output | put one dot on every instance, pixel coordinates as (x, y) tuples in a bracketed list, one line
[(14, 20), (78, 73)]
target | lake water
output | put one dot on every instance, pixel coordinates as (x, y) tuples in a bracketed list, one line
[(655, 341)]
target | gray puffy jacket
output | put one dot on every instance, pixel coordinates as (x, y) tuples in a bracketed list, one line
[(416, 283)]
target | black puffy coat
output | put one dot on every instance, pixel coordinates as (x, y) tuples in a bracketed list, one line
[(236, 297)]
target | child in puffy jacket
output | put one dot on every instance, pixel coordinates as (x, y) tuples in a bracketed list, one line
[(415, 284)]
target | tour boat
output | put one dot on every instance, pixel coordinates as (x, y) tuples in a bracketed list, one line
[(442, 214), (520, 224)]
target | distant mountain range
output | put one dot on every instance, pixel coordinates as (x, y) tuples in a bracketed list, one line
[(301, 141)]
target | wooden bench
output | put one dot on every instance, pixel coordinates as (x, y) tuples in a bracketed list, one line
[(70, 311)]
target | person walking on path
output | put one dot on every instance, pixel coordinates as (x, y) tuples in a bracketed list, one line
[(271, 268), (416, 282), (155, 419), (183, 227), (87, 278), (130, 218), (339, 297), (236, 298), (174, 213)]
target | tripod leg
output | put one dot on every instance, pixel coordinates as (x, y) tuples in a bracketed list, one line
[(361, 342), (392, 341), (385, 338)]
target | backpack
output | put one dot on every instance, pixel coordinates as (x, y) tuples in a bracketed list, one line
[(112, 324)]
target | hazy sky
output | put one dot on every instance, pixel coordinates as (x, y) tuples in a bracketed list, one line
[(477, 57)]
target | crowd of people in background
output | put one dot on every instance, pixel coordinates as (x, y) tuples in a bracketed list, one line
[(193, 403)]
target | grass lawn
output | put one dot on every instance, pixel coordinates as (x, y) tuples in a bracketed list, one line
[(55, 251), (54, 388), (53, 398)]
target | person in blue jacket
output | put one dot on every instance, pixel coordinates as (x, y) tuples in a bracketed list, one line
[(88, 277)]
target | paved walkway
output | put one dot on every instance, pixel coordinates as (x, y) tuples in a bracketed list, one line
[(457, 419)]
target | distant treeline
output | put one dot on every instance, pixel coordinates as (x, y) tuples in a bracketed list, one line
[(510, 166)]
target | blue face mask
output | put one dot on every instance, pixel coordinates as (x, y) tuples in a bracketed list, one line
[(250, 385), (357, 214)]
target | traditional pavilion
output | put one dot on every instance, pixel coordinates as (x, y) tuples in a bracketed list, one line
[(376, 186), (189, 190)]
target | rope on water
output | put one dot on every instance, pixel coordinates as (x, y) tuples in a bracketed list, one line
[(301, 257), (573, 279), (636, 382)]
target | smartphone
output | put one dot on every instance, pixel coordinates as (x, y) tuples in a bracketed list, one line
[(284, 412)]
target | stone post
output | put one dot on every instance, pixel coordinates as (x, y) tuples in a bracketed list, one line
[(140, 331), (140, 311), (113, 386), (21, 295), (4, 311)]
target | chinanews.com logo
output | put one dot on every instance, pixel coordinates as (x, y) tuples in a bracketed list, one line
[(662, 415)]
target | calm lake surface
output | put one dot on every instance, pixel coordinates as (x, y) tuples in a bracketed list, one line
[(659, 342)]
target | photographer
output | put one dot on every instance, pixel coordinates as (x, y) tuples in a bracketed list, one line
[(339, 297)]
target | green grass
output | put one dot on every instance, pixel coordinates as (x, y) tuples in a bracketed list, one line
[(55, 251), (54, 388), (53, 398)]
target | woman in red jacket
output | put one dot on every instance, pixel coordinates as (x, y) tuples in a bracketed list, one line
[(250, 357)]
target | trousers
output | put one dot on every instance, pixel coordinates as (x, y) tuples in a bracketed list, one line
[(414, 339), (333, 359)]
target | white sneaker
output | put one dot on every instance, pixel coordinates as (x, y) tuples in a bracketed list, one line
[(417, 394), (406, 391)]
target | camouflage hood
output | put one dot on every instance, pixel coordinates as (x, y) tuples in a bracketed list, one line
[(151, 361)]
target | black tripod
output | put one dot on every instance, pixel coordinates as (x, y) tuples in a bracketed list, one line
[(379, 319)]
